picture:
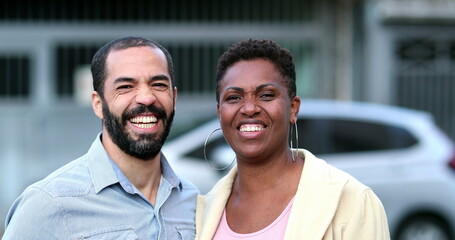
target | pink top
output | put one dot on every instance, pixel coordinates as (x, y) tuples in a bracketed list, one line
[(273, 231)]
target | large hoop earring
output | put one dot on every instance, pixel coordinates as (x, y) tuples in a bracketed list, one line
[(297, 140), (205, 155)]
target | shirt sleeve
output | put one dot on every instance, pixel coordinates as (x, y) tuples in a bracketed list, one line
[(368, 220), (35, 215)]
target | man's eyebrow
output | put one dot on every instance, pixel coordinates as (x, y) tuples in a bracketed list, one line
[(123, 80), (160, 77), (129, 80)]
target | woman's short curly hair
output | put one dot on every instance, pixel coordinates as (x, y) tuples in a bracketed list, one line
[(258, 49)]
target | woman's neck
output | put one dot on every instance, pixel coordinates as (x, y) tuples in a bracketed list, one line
[(276, 172)]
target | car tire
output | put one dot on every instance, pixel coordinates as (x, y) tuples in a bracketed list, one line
[(423, 228)]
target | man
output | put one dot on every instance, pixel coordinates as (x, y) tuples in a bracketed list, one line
[(123, 188)]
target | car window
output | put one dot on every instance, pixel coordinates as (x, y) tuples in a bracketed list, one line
[(323, 136), (326, 136), (182, 127), (214, 147)]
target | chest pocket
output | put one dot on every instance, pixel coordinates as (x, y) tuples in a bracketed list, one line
[(186, 233), (124, 233)]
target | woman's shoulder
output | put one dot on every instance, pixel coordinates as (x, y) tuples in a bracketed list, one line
[(319, 168), (322, 175)]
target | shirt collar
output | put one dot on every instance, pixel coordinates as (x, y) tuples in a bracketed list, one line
[(166, 173), (105, 171), (102, 174), (123, 180), (169, 174)]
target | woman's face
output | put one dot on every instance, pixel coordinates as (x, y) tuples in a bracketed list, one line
[(255, 110)]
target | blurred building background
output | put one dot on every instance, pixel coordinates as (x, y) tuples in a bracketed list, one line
[(396, 52)]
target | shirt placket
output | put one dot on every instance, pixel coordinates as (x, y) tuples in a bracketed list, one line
[(164, 191)]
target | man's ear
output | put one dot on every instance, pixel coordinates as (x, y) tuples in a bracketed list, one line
[(295, 107), (97, 104), (175, 97)]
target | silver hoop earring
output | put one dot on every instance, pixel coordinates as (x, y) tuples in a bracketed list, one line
[(297, 140), (205, 155)]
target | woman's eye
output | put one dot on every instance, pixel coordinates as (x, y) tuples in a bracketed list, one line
[(232, 98), (267, 95)]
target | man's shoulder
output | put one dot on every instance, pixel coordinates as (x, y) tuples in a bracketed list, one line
[(72, 179)]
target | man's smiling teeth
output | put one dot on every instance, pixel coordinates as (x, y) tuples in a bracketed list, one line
[(251, 128), (144, 121)]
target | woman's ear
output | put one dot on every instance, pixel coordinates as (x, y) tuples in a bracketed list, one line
[(97, 104), (218, 110), (295, 107)]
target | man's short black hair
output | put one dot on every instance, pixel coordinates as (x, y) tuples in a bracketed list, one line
[(98, 66)]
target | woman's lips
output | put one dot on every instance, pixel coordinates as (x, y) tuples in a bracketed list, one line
[(251, 128)]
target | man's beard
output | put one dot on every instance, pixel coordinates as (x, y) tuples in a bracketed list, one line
[(147, 146)]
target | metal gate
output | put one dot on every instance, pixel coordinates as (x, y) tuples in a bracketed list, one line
[(425, 75)]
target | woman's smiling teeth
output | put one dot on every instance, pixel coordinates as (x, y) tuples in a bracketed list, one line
[(144, 121), (251, 128)]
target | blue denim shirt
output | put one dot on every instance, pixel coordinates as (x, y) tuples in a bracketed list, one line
[(90, 198)]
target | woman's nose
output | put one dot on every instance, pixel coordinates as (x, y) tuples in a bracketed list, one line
[(250, 108)]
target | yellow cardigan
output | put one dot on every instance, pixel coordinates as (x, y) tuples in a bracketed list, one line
[(329, 204)]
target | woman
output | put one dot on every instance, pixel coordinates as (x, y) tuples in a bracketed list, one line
[(273, 192)]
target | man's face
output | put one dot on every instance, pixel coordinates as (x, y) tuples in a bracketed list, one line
[(139, 99)]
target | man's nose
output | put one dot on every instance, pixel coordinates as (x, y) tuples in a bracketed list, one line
[(145, 96)]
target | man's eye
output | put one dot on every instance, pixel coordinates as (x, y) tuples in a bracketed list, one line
[(160, 86), (124, 87)]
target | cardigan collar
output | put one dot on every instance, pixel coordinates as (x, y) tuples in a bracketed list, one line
[(316, 200)]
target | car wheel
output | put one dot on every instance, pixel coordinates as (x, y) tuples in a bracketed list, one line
[(424, 228)]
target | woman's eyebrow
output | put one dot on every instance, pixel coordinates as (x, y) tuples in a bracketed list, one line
[(238, 89), (265, 85)]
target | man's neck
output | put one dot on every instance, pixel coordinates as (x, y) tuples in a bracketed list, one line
[(145, 175)]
